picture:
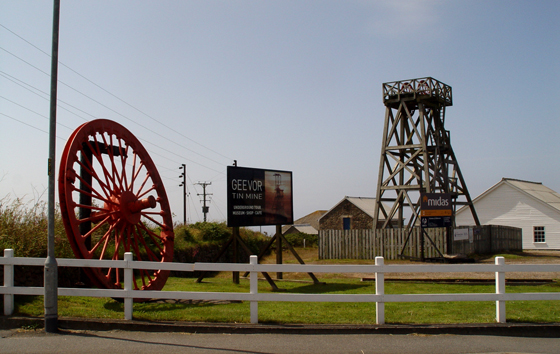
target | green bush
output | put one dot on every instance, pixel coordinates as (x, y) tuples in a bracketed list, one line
[(202, 242), (296, 239), (24, 229), (212, 231), (183, 236)]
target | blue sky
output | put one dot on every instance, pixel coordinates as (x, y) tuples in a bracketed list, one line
[(287, 85)]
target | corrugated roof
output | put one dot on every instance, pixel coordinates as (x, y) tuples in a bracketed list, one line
[(367, 204), (309, 219), (536, 190), (306, 229)]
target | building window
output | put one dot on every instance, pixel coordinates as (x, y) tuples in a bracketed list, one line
[(538, 234), (345, 223)]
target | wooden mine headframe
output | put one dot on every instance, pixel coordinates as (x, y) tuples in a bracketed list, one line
[(416, 153)]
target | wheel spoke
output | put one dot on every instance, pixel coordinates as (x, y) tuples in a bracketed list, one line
[(119, 176), (93, 195), (151, 213), (133, 177), (103, 240), (108, 175), (123, 156), (151, 255), (89, 169), (92, 207), (96, 217), (138, 195), (107, 239), (153, 187), (114, 173), (138, 257), (97, 227), (98, 156), (153, 220)]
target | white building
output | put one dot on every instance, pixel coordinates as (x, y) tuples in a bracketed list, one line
[(528, 205)]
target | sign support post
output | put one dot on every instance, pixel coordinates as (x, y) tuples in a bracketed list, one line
[(259, 197), (435, 212), (235, 232), (278, 249)]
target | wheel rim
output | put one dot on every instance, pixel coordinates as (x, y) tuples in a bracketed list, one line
[(113, 201)]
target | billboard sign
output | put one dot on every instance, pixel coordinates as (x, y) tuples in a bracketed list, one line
[(435, 210), (259, 197)]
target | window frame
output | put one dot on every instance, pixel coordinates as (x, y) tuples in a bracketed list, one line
[(349, 218), (539, 234)]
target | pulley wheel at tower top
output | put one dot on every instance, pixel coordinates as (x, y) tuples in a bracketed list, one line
[(113, 201)]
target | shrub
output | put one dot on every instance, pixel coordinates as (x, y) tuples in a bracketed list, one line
[(212, 231), (24, 229), (296, 239), (202, 242)]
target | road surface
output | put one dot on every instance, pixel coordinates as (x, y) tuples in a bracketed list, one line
[(117, 341)]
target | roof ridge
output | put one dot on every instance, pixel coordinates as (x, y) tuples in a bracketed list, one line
[(519, 180)]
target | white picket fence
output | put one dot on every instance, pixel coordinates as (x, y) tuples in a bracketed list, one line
[(254, 297)]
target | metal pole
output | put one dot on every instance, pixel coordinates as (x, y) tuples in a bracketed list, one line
[(184, 184), (51, 266)]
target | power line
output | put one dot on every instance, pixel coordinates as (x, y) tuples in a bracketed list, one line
[(114, 111), (32, 111), (29, 125), (29, 87), (110, 93), (74, 109)]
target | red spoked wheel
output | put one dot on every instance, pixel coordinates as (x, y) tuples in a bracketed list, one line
[(113, 201)]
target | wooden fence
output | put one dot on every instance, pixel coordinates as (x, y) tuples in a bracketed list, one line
[(254, 296), (390, 243), (490, 239)]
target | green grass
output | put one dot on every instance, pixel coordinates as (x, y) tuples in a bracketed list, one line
[(312, 313)]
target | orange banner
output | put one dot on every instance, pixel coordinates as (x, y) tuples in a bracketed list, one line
[(435, 212)]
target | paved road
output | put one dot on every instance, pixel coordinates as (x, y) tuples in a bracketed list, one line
[(19, 341)]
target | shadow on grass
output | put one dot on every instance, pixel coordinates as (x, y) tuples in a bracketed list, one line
[(156, 305), (516, 255), (326, 288)]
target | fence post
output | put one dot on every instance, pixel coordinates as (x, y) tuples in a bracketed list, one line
[(8, 282), (128, 274), (254, 289), (500, 289), (379, 290)]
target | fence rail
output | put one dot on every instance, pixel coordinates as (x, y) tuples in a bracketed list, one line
[(254, 297)]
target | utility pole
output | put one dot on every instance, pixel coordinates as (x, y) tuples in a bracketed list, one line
[(184, 185), (204, 200)]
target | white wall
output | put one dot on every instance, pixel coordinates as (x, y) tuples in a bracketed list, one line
[(508, 206)]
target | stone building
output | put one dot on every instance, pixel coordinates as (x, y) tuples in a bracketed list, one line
[(351, 213)]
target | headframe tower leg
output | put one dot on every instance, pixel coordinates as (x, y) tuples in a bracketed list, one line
[(416, 153)]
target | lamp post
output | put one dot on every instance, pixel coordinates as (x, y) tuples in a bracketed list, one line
[(51, 266)]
